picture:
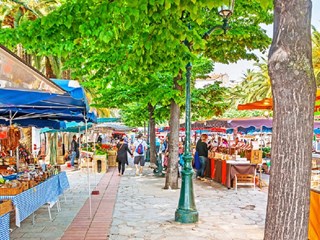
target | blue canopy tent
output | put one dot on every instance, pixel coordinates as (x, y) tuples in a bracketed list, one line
[(18, 105), (28, 98), (38, 123)]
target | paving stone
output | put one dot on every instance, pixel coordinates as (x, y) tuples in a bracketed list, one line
[(144, 210)]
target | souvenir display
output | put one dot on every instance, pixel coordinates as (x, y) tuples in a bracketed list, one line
[(12, 183)]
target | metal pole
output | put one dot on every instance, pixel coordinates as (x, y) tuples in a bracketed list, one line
[(148, 143), (94, 147), (187, 212), (89, 188)]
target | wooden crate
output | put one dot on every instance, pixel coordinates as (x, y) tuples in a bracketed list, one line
[(100, 163), (256, 157), (11, 191), (112, 161), (25, 185), (85, 163), (60, 160), (5, 207)]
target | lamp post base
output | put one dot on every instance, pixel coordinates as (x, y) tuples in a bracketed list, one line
[(187, 212), (186, 216)]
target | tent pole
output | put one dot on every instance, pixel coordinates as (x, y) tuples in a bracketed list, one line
[(89, 189), (10, 117), (94, 147)]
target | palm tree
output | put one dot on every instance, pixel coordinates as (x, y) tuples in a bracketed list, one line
[(256, 85), (316, 54), (260, 86), (13, 13)]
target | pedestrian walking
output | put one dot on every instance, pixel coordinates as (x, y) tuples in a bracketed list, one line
[(140, 147), (122, 156), (165, 152)]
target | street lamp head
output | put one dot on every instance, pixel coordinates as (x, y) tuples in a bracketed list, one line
[(226, 11)]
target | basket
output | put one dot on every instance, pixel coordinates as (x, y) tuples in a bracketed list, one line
[(32, 183), (5, 207), (25, 185), (11, 191)]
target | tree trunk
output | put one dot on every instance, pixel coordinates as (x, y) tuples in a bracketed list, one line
[(293, 88), (172, 169), (49, 70), (66, 74), (174, 124), (152, 133)]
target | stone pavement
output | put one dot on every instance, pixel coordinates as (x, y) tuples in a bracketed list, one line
[(144, 210), (44, 229), (136, 207)]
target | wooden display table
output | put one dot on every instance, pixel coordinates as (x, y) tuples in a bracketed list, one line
[(224, 171)]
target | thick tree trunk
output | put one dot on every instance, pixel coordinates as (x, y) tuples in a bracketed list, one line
[(172, 170), (293, 88), (174, 123), (152, 138)]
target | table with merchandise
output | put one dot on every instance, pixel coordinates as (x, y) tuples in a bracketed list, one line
[(46, 192)]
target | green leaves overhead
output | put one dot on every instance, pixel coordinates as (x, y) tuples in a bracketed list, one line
[(132, 50)]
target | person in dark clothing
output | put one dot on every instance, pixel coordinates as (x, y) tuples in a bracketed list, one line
[(99, 140), (122, 156), (74, 148), (202, 148)]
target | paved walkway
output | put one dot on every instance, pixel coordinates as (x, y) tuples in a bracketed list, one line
[(96, 227), (136, 207)]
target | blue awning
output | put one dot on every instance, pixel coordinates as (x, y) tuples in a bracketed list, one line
[(20, 106), (38, 123)]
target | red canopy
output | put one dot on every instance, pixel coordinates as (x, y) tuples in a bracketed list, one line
[(268, 104), (263, 104)]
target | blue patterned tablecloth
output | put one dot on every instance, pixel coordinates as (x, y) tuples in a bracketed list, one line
[(31, 200), (4, 227)]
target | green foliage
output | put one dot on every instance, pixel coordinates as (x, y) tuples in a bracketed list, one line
[(128, 52), (233, 113), (316, 54), (208, 101)]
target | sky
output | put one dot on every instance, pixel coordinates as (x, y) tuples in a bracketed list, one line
[(237, 70)]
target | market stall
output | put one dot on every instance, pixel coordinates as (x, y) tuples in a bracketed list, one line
[(27, 98), (30, 200), (5, 209), (224, 171), (314, 217)]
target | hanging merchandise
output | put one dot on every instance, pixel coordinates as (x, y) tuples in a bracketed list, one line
[(3, 132), (12, 140), (24, 154)]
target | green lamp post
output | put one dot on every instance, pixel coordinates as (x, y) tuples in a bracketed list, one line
[(187, 212)]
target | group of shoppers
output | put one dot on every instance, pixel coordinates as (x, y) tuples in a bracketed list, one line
[(137, 151), (139, 148)]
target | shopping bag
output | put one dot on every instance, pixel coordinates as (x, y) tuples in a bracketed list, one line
[(197, 163)]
